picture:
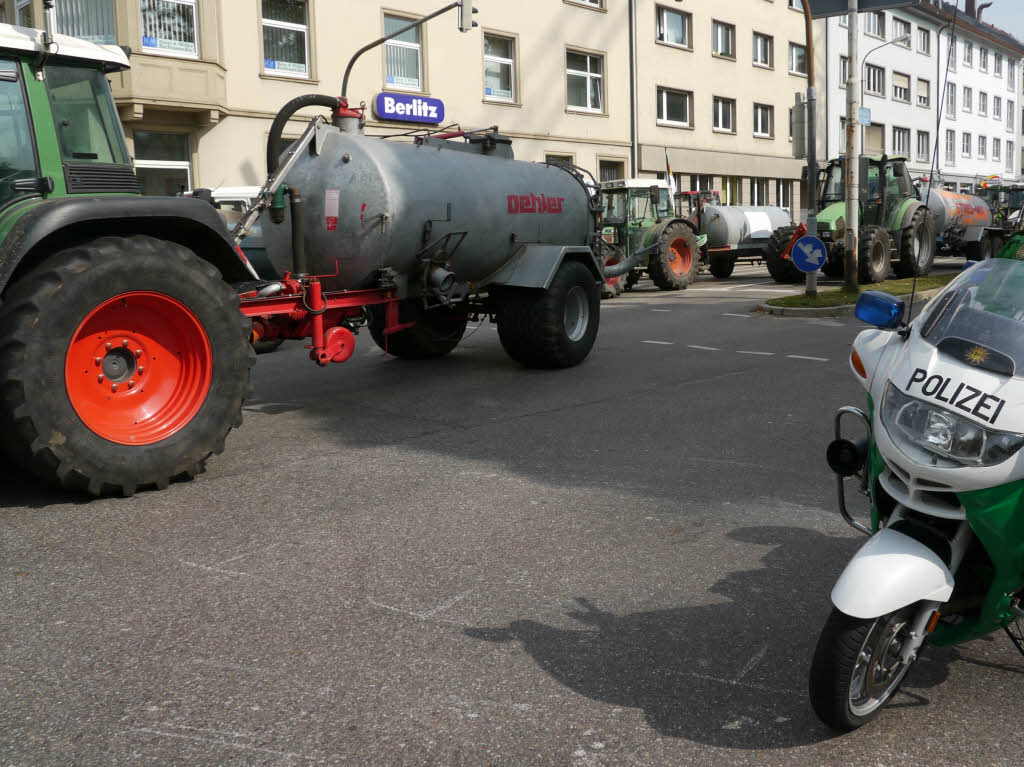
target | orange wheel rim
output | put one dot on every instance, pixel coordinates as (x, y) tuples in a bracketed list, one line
[(681, 258), (138, 368)]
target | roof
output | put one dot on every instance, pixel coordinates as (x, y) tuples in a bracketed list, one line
[(24, 39), (983, 29)]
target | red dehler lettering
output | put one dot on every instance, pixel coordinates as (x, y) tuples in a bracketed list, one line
[(534, 203)]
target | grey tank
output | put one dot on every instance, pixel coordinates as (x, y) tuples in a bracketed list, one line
[(371, 203), (735, 227), (950, 208)]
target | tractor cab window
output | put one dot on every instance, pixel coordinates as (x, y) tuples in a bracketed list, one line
[(615, 207), (640, 205), (832, 186), (83, 113), (898, 186), (17, 153)]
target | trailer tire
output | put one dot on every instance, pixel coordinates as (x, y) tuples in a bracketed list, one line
[(875, 255), (675, 265), (721, 266), (437, 331), (553, 328), (917, 246), (78, 408), (980, 250), (782, 269), (632, 278), (833, 267)]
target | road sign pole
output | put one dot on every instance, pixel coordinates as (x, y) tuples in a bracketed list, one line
[(812, 147), (852, 150)]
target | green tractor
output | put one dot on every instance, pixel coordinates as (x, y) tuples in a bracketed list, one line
[(897, 230), (124, 358), (641, 229)]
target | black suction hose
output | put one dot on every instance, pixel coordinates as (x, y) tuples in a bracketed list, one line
[(274, 147)]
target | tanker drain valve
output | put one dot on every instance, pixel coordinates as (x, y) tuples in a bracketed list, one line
[(442, 280)]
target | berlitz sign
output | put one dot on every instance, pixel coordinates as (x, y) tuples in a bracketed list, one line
[(409, 108)]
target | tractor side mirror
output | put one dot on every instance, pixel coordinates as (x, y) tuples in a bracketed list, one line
[(655, 193), (899, 170)]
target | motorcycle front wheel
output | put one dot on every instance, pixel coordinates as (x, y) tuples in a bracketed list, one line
[(857, 667)]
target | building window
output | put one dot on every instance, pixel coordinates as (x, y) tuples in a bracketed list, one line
[(702, 183), (403, 55), (997, 64), (924, 92), (1010, 112), (924, 41), (23, 13), (844, 71), (983, 103), (724, 115), (611, 170), (951, 147), (874, 24), (499, 68), (901, 141), (674, 28), (874, 139), (1011, 75), (723, 39), (163, 162), (784, 193), (559, 159), (997, 107), (965, 145), (982, 147), (797, 59), (674, 108), (170, 26), (591, 3), (924, 146), (844, 20), (1009, 156), (797, 5), (764, 50), (88, 21), (584, 81), (901, 28), (951, 100), (997, 147), (285, 37), (874, 80), (968, 53), (901, 87), (968, 99), (731, 190), (764, 121), (983, 59), (759, 191)]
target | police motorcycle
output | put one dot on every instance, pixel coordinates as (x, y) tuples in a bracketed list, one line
[(941, 460)]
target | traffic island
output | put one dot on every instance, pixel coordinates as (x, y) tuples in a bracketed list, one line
[(840, 303)]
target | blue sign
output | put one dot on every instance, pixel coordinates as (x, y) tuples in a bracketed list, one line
[(808, 254), (407, 107), (864, 116)]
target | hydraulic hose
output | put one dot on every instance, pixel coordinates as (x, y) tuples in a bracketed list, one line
[(274, 147), (617, 270)]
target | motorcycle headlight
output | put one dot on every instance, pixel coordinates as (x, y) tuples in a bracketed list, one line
[(945, 433)]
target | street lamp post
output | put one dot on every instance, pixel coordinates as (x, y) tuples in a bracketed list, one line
[(863, 64)]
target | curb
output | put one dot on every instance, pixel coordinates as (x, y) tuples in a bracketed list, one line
[(843, 310)]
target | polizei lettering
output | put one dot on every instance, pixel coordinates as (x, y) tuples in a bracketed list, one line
[(534, 203), (961, 396)]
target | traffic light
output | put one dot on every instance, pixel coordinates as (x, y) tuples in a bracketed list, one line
[(466, 11)]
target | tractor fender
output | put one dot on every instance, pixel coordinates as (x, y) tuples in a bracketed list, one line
[(652, 234), (53, 225), (534, 266), (907, 211)]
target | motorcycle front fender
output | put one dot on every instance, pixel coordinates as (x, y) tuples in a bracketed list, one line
[(890, 571)]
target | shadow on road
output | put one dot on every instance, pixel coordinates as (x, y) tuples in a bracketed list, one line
[(21, 489), (732, 674)]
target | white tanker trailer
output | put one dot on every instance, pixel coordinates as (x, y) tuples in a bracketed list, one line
[(963, 223)]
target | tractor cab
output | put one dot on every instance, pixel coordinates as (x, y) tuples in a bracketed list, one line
[(885, 185), (631, 206), (690, 205)]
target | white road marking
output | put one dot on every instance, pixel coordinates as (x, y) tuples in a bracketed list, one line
[(661, 310), (226, 744), (752, 662), (213, 569), (705, 348), (802, 357), (454, 600), (730, 314), (660, 343), (760, 354), (248, 554)]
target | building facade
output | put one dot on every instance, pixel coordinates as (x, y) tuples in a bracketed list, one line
[(944, 93), (700, 85)]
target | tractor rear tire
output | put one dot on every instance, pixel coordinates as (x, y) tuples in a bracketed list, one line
[(781, 268), (917, 246), (124, 363), (612, 286), (980, 250), (833, 267), (675, 265), (553, 328), (875, 256), (436, 332), (721, 266)]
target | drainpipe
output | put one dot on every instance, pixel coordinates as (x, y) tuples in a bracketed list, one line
[(633, 147)]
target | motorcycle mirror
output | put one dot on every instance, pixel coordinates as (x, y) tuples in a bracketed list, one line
[(880, 309), (846, 457)]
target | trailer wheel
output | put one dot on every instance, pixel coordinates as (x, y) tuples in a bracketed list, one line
[(875, 254), (553, 328), (632, 278), (722, 266), (917, 246), (124, 364), (980, 250), (781, 269), (675, 265), (833, 266), (437, 331)]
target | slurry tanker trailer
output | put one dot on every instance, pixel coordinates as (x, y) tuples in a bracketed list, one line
[(126, 322)]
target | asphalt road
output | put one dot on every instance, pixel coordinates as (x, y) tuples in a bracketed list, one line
[(465, 562)]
